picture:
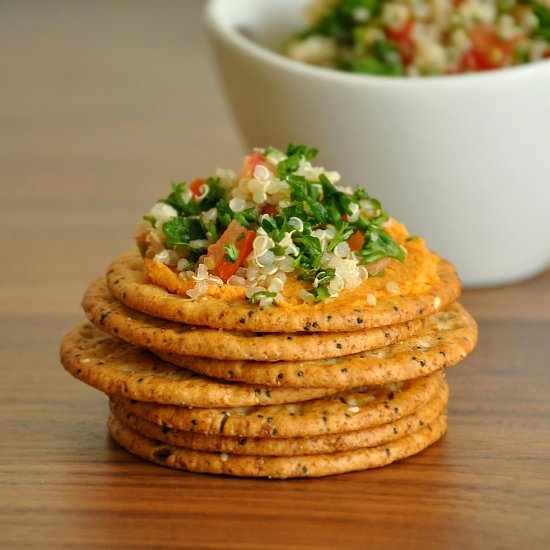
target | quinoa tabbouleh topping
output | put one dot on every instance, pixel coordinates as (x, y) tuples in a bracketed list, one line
[(278, 217), (423, 37)]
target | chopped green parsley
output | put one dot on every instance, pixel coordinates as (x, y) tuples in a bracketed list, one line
[(231, 253)]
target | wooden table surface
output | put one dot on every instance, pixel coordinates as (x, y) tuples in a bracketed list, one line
[(102, 104)]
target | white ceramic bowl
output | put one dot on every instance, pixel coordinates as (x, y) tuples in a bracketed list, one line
[(464, 160)]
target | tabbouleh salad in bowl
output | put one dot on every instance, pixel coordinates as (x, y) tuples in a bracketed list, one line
[(423, 37), (280, 230)]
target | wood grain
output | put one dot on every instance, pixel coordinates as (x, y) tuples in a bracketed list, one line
[(104, 103)]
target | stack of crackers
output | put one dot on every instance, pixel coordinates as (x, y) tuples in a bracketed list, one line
[(224, 387), (273, 323)]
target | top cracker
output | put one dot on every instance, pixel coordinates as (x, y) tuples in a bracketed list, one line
[(279, 247)]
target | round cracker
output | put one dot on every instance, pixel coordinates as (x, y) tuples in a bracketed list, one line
[(125, 278), (276, 467), (117, 368), (344, 412), (447, 337), (140, 329), (370, 437)]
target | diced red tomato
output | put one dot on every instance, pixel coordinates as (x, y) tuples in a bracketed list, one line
[(142, 242), (250, 163), (467, 63), (270, 209), (195, 188), (488, 50), (356, 241), (237, 235), (403, 38), (253, 161)]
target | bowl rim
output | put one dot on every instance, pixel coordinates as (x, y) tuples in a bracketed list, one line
[(261, 53)]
